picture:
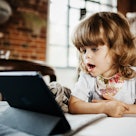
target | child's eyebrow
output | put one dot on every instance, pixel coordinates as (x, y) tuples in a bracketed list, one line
[(88, 46), (94, 46)]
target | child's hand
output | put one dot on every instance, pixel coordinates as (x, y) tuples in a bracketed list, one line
[(113, 107)]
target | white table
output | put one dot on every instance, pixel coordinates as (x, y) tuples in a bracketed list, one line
[(106, 126), (94, 124)]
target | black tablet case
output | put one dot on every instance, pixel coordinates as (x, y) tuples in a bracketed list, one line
[(31, 102)]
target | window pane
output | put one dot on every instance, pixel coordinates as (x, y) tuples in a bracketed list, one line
[(109, 2), (58, 35), (57, 56), (96, 0), (74, 16), (58, 13), (71, 30), (92, 7), (77, 3), (105, 8), (73, 57)]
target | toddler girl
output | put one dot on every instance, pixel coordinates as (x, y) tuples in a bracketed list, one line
[(107, 81)]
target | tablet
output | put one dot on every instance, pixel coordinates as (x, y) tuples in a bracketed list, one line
[(27, 90)]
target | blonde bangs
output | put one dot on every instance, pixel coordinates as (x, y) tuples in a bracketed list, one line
[(88, 34)]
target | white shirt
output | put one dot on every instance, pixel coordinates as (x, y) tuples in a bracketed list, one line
[(85, 89)]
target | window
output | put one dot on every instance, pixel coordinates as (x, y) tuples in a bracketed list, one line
[(63, 16)]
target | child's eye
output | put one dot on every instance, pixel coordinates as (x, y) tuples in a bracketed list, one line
[(94, 49), (83, 51)]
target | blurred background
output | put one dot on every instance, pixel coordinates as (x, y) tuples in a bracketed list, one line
[(40, 30)]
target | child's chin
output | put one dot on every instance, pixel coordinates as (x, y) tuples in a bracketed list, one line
[(93, 75)]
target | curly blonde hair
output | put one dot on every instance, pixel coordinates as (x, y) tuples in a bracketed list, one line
[(111, 29)]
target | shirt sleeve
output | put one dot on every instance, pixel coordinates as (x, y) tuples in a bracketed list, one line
[(83, 86)]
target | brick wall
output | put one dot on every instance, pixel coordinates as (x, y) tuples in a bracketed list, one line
[(24, 34)]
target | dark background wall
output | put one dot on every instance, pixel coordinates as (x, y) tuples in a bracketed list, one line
[(125, 6)]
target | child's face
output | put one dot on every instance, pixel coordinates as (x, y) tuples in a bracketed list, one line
[(97, 60)]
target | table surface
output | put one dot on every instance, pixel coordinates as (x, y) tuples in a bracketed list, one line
[(107, 126), (97, 124)]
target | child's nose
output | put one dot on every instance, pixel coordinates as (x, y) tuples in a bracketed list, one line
[(88, 54)]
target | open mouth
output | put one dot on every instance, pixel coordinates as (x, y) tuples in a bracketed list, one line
[(90, 66)]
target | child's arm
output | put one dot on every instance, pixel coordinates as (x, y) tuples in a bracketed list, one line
[(78, 106), (132, 109), (111, 108)]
